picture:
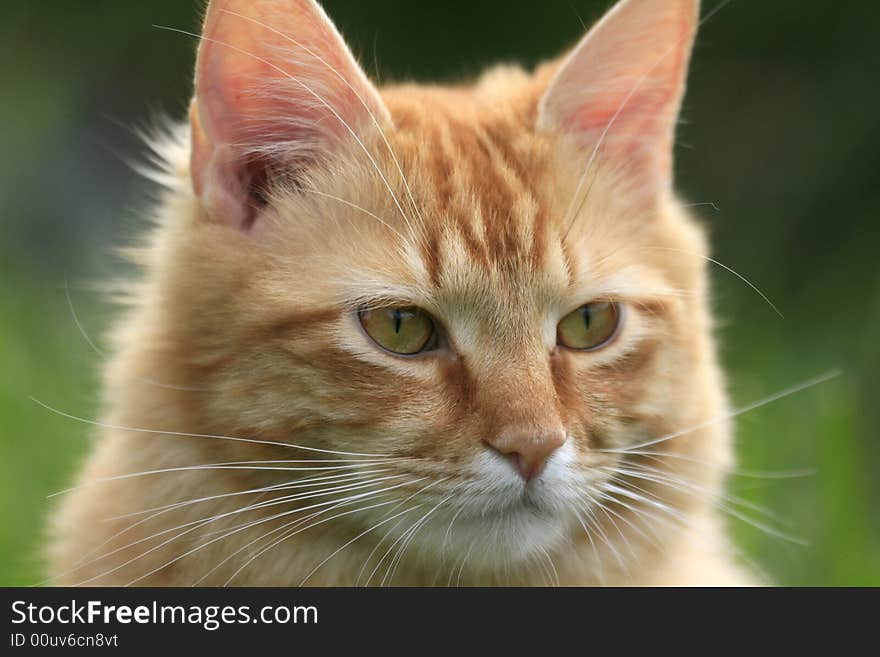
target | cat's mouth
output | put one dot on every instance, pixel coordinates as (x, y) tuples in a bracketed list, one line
[(533, 502), (530, 501), (509, 532)]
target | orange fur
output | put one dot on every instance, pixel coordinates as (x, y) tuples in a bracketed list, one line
[(253, 334)]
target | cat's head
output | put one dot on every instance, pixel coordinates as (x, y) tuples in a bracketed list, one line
[(491, 284)]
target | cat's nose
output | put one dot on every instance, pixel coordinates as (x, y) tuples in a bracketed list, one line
[(528, 451)]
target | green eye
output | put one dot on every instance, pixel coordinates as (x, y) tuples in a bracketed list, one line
[(404, 330), (589, 327)]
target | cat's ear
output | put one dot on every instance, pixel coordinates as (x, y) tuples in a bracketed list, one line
[(276, 87), (620, 90)]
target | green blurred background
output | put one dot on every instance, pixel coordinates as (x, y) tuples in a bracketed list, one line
[(780, 133)]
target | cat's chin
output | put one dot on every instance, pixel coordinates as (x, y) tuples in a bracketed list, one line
[(492, 532), (521, 532)]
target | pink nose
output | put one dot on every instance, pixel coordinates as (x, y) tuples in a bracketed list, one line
[(528, 450)]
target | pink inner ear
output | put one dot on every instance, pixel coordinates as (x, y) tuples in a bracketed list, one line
[(275, 83), (636, 102), (622, 85)]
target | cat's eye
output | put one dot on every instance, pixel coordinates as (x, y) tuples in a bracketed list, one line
[(404, 330), (590, 327)]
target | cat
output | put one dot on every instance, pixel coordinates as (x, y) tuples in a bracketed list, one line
[(416, 335)]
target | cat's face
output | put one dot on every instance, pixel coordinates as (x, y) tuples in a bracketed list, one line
[(483, 284)]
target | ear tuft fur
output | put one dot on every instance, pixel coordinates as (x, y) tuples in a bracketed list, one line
[(621, 88), (276, 87)]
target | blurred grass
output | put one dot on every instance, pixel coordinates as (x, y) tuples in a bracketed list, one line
[(780, 133), (41, 355)]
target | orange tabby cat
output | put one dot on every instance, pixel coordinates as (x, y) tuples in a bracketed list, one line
[(413, 336)]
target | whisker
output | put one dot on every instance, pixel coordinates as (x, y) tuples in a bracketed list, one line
[(607, 512), (727, 416), (711, 204), (289, 535), (363, 533), (290, 525), (464, 560), (286, 499), (354, 206), (101, 353), (650, 501), (604, 536), (728, 269), (395, 561), (626, 520), (614, 551), (197, 525), (160, 510), (384, 538), (449, 528), (265, 489), (184, 434), (555, 574), (204, 545), (691, 485), (600, 573), (394, 508), (298, 523), (187, 468), (681, 524), (676, 483), (720, 504), (202, 522), (734, 472)]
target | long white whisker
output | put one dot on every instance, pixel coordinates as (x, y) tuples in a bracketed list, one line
[(717, 500), (600, 573), (394, 508), (202, 522), (289, 485), (187, 468), (625, 520), (683, 482), (204, 545), (727, 416), (395, 562), (363, 533), (728, 269), (347, 487), (604, 536), (681, 524), (286, 536), (184, 434), (463, 563), (195, 525), (158, 511), (100, 352), (354, 206), (401, 537), (617, 555), (734, 472), (555, 574), (285, 527), (449, 528)]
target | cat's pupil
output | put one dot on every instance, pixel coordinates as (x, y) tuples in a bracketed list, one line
[(585, 313), (398, 317)]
